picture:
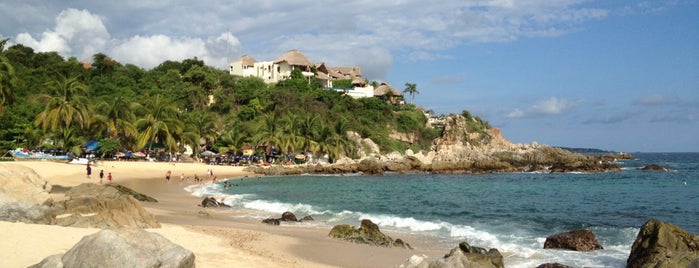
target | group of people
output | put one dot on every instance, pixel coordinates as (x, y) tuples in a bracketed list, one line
[(196, 179), (101, 174)]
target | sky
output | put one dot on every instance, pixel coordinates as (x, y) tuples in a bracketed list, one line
[(613, 75)]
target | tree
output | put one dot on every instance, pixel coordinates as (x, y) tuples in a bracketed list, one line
[(411, 89), (160, 124), (119, 116), (65, 105), (7, 78)]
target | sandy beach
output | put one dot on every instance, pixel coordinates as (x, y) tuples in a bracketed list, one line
[(216, 236)]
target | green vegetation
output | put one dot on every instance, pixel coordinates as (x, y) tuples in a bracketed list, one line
[(53, 103)]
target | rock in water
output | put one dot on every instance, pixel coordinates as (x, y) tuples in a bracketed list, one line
[(578, 240), (368, 233), (463, 255), (122, 247), (660, 244), (288, 216)]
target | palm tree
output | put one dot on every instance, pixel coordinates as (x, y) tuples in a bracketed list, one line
[(65, 106), (205, 126), (411, 89), (7, 78), (160, 124), (268, 131), (119, 115)]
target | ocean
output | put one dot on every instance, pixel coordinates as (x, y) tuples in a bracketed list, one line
[(513, 212)]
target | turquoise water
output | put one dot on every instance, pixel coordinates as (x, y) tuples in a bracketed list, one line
[(511, 212)]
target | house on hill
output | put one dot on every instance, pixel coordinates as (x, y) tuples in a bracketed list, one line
[(280, 69)]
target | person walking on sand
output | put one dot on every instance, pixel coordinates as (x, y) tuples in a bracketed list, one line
[(101, 175), (89, 170), (109, 176)]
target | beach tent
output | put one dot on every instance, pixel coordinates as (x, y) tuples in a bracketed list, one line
[(91, 145)]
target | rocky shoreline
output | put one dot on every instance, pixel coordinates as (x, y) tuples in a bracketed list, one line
[(458, 150)]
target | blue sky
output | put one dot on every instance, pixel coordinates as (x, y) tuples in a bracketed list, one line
[(616, 75)]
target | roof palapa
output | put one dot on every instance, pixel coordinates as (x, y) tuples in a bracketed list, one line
[(247, 60), (294, 57), (385, 88)]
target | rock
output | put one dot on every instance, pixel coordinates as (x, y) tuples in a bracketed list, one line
[(655, 167), (474, 257), (368, 233), (122, 247), (553, 265), (22, 184), (288, 216), (101, 206), (271, 221), (138, 196), (660, 244), (109, 190), (578, 240), (307, 218), (370, 166), (26, 213), (212, 202)]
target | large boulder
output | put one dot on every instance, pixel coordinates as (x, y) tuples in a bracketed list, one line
[(463, 255), (660, 244), (98, 206), (24, 195), (19, 183), (578, 240), (122, 247), (368, 233)]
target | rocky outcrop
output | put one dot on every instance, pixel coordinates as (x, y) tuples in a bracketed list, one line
[(368, 233), (465, 146), (577, 240), (122, 247), (286, 216), (92, 205), (24, 195), (462, 256), (655, 167), (660, 244)]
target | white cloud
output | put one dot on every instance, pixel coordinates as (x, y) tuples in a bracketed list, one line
[(412, 29), (77, 33), (149, 51), (549, 107)]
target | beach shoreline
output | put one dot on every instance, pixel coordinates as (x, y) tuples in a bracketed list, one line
[(219, 237)]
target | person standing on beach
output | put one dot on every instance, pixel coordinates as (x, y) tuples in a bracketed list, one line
[(89, 170), (101, 175), (167, 176), (109, 176)]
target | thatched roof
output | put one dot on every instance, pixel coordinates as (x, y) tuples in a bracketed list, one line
[(247, 60), (358, 81), (322, 75), (385, 88), (294, 57), (345, 72)]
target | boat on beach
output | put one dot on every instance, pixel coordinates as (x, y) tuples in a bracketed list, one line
[(24, 154)]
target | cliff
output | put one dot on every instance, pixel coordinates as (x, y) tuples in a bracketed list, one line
[(463, 147)]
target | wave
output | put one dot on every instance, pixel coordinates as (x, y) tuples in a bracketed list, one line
[(520, 246)]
